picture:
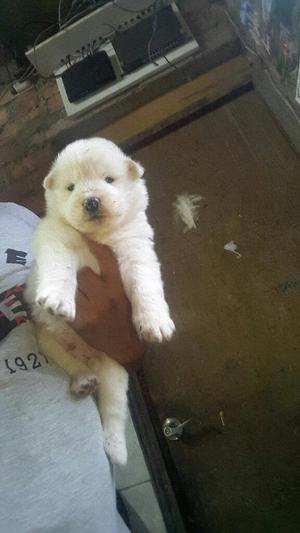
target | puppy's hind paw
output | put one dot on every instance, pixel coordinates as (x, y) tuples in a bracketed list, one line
[(84, 384), (115, 447)]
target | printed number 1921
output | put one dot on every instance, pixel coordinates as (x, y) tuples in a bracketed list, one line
[(32, 362)]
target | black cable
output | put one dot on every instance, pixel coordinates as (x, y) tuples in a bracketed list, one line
[(55, 76), (76, 16), (52, 76), (170, 63), (32, 22), (69, 13), (59, 13), (26, 75), (154, 28), (64, 25), (8, 73)]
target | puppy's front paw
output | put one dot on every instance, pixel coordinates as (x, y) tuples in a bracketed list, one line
[(84, 384), (56, 304), (154, 327), (115, 446)]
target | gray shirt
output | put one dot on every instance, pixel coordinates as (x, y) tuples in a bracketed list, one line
[(54, 474)]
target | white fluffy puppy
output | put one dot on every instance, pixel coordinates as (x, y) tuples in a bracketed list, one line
[(95, 191)]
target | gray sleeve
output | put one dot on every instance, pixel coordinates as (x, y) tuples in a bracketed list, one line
[(16, 227), (55, 476)]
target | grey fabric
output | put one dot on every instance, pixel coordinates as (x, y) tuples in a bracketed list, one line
[(54, 474)]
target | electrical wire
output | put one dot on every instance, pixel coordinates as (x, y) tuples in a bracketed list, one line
[(154, 28), (251, 50), (52, 76), (32, 22), (59, 13), (63, 27), (170, 63), (128, 10), (5, 91), (26, 75), (75, 17), (69, 21), (69, 12), (8, 72), (32, 68)]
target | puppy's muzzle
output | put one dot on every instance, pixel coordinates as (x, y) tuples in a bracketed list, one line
[(92, 206)]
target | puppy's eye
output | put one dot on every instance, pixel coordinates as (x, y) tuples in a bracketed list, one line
[(108, 179), (71, 187)]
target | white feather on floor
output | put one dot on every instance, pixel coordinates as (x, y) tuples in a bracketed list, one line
[(232, 247), (187, 209)]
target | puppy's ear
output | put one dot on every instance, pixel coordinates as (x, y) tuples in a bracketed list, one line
[(135, 170), (48, 181)]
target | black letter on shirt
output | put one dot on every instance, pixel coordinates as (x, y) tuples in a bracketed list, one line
[(15, 256)]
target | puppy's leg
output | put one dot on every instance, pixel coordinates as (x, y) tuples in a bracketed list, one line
[(99, 370), (140, 271), (113, 380), (56, 280), (83, 381), (53, 283)]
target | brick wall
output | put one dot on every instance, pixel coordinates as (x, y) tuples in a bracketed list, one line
[(34, 125), (28, 122)]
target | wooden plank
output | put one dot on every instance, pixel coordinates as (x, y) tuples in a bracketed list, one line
[(183, 100)]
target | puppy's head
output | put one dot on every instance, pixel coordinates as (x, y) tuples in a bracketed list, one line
[(93, 183)]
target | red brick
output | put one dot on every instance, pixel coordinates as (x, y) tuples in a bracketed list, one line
[(48, 89), (39, 159), (16, 189), (37, 139), (10, 130), (6, 96), (24, 105), (35, 202), (7, 150), (18, 169), (34, 165), (36, 179)]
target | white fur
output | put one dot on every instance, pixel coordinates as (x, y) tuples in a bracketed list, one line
[(232, 247), (61, 250), (187, 209)]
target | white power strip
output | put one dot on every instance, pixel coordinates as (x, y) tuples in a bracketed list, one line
[(49, 56), (127, 81)]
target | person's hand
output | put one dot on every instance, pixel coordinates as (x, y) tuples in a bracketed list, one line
[(103, 312)]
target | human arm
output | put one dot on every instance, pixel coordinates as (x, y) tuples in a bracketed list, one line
[(103, 312)]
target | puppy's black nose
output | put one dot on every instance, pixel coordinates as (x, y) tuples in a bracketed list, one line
[(91, 205)]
